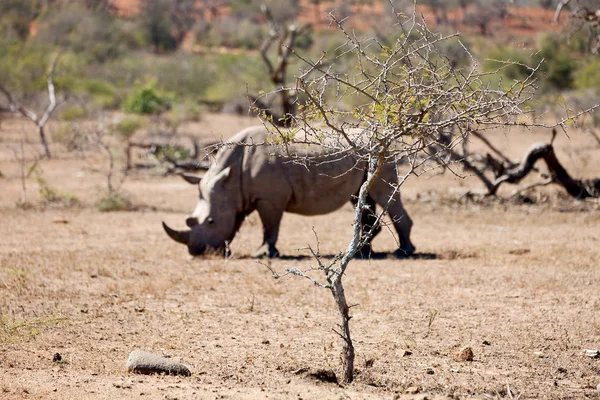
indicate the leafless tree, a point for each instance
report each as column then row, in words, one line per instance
column 283, row 36
column 39, row 121
column 582, row 14
column 96, row 137
column 410, row 105
column 513, row 172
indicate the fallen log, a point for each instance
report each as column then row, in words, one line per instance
column 577, row 188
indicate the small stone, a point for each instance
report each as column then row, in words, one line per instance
column 143, row 362
column 539, row 354
column 413, row 390
column 465, row 354
column 429, row 371
column 486, row 343
column 598, row 388
column 592, row 353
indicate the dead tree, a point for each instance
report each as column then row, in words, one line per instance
column 577, row 188
column 39, row 121
column 505, row 170
column 407, row 97
column 284, row 36
column 583, row 12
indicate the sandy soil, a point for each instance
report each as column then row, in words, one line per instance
column 517, row 283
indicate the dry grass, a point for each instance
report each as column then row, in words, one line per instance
column 516, row 283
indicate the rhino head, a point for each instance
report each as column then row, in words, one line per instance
column 213, row 222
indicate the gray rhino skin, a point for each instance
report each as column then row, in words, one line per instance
column 247, row 176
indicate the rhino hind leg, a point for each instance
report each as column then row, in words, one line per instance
column 270, row 217
column 368, row 224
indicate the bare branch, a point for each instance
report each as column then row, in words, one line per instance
column 559, row 7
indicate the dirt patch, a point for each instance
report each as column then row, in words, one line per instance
column 517, row 284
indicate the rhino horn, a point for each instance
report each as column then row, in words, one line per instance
column 178, row 236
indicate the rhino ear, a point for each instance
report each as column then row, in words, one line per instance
column 221, row 176
column 194, row 180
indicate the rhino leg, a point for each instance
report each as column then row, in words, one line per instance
column 270, row 217
column 380, row 191
column 368, row 223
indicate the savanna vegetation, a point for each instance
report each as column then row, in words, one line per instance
column 190, row 53
column 116, row 88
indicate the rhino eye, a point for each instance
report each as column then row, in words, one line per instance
column 210, row 220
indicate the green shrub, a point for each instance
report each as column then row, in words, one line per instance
column 588, row 77
column 93, row 33
column 73, row 113
column 172, row 153
column 559, row 72
column 51, row 196
column 146, row 101
column 184, row 111
column 23, row 68
column 68, row 136
column 127, row 126
column 558, row 66
column 114, row 202
column 237, row 73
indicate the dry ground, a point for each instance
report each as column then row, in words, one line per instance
column 517, row 283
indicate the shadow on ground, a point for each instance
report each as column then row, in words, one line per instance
column 372, row 256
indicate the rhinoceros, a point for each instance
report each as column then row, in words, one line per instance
column 248, row 175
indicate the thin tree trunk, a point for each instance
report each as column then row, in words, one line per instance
column 337, row 287
column 23, row 183
column 348, row 350
column 44, row 141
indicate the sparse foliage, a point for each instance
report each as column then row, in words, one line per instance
column 414, row 106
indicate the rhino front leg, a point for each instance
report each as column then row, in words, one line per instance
column 270, row 216
column 402, row 222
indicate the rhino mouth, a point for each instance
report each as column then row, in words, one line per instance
column 196, row 250
column 219, row 251
column 184, row 237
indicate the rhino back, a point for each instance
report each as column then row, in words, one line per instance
column 325, row 186
column 303, row 181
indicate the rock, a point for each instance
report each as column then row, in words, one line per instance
column 539, row 354
column 143, row 362
column 598, row 388
column 465, row 354
column 413, row 390
column 592, row 353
